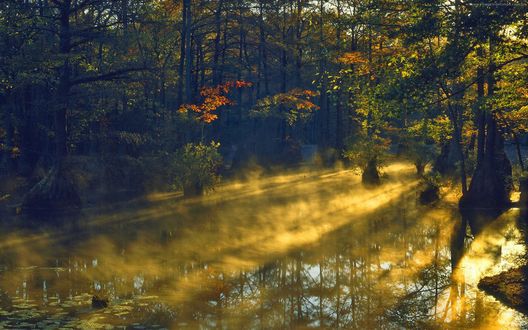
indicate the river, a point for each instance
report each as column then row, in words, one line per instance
column 310, row 248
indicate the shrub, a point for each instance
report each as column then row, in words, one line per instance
column 420, row 153
column 367, row 154
column 431, row 191
column 361, row 150
column 196, row 168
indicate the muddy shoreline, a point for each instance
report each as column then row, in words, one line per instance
column 510, row 288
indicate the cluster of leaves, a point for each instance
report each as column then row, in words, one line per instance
column 515, row 120
column 418, row 150
column 13, row 152
column 213, row 98
column 361, row 149
column 131, row 138
column 437, row 129
column 197, row 165
column 432, row 179
column 511, row 101
column 352, row 58
column 292, row 107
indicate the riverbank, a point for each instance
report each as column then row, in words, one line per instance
column 509, row 287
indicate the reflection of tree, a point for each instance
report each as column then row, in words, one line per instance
column 456, row 302
column 393, row 269
column 465, row 306
column 346, row 284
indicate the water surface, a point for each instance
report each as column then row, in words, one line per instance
column 306, row 249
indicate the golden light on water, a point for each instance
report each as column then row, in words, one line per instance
column 499, row 247
column 308, row 248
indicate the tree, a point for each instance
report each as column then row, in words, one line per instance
column 73, row 25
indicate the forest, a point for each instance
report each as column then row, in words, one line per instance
column 171, row 124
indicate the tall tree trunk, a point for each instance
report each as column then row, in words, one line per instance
column 55, row 192
column 298, row 43
column 218, row 33
column 224, row 51
column 63, row 90
column 6, row 105
column 323, row 117
column 183, row 44
column 188, row 51
column 339, row 110
column 263, row 61
column 491, row 183
column 481, row 114
column 282, row 125
column 518, row 149
column 28, row 138
column 455, row 114
column 240, row 60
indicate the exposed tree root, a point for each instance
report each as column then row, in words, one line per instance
column 54, row 194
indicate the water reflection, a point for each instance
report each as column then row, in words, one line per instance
column 313, row 249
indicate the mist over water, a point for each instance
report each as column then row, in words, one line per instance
column 307, row 249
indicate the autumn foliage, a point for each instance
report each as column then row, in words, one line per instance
column 292, row 106
column 352, row 58
column 213, row 98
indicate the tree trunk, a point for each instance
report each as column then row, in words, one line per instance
column 28, row 137
column 455, row 114
column 518, row 149
column 480, row 115
column 218, row 32
column 263, row 56
column 7, row 110
column 55, row 192
column 188, row 52
column 444, row 163
column 491, row 184
column 339, row 109
column 298, row 43
column 323, row 99
column 523, row 200
column 370, row 176
column 183, row 44
column 240, row 62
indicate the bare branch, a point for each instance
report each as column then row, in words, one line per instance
column 112, row 75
